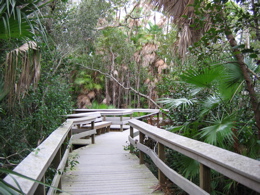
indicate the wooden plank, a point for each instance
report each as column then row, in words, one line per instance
column 80, row 142
column 117, row 127
column 237, row 167
column 106, row 168
column 83, row 114
column 205, row 178
column 84, row 134
column 161, row 155
column 100, row 124
column 56, row 180
column 83, row 120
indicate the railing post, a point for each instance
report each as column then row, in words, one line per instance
column 41, row 188
column 121, row 126
column 56, row 162
column 132, row 136
column 151, row 120
column 141, row 154
column 92, row 124
column 161, row 155
column 205, row 178
column 158, row 119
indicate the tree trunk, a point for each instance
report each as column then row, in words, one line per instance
column 256, row 18
column 127, row 90
column 114, row 94
column 107, row 91
column 138, row 88
column 249, row 82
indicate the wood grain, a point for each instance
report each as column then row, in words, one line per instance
column 106, row 168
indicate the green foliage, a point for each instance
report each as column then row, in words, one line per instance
column 220, row 115
column 96, row 105
column 174, row 103
column 84, row 81
column 33, row 119
column 16, row 20
column 220, row 132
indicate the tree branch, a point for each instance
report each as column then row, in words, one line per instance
column 121, row 85
column 111, row 26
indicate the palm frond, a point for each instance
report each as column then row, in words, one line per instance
column 201, row 78
column 233, row 74
column 174, row 103
column 220, row 133
column 26, row 59
column 210, row 103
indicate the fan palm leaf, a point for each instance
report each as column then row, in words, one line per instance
column 220, row 132
column 202, row 78
column 210, row 103
column 174, row 103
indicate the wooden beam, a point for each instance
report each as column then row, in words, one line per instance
column 161, row 155
column 205, row 178
column 132, row 136
column 141, row 154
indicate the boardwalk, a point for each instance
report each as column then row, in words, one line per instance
column 106, row 168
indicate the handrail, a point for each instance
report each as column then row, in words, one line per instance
column 120, row 113
column 237, row 167
column 54, row 150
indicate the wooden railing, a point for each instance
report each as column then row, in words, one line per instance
column 237, row 167
column 53, row 152
column 122, row 116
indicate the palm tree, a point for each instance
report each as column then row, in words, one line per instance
column 183, row 13
column 16, row 23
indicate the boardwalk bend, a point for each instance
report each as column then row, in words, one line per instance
column 104, row 167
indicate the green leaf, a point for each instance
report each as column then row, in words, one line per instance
column 253, row 55
column 174, row 103
column 202, row 78
column 220, row 132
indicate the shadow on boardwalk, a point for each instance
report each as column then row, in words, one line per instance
column 106, row 168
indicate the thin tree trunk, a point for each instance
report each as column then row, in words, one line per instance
column 249, row 82
column 138, row 88
column 120, row 92
column 256, row 18
column 127, row 90
column 107, row 91
column 114, row 93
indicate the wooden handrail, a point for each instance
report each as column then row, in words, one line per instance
column 237, row 167
column 53, row 151
column 35, row 165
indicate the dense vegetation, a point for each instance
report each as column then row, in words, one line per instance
column 199, row 59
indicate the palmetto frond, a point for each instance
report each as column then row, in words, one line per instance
column 202, row 78
column 14, row 22
column 210, row 103
column 174, row 103
column 220, row 132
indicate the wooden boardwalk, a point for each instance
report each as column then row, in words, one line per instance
column 106, row 168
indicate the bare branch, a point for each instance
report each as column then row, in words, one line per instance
column 121, row 85
column 112, row 26
column 252, row 72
